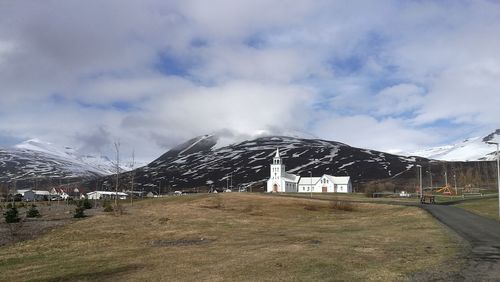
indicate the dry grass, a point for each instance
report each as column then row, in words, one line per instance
column 353, row 197
column 235, row 237
column 485, row 207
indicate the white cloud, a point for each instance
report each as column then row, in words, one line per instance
column 394, row 70
column 399, row 99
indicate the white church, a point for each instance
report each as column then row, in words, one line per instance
column 281, row 181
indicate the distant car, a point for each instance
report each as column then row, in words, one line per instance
column 177, row 192
column 55, row 198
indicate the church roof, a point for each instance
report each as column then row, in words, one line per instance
column 277, row 153
column 291, row 177
column 308, row 180
column 342, row 180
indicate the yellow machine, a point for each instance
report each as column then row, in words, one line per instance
column 446, row 190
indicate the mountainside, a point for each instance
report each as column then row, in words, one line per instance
column 201, row 162
column 471, row 149
column 38, row 159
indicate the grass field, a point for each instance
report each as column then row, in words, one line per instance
column 485, row 207
column 237, row 237
column 355, row 197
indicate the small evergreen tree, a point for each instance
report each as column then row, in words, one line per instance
column 87, row 204
column 33, row 212
column 79, row 212
column 11, row 215
column 107, row 206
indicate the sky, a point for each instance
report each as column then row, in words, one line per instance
column 386, row 75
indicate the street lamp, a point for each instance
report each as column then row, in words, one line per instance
column 420, row 180
column 498, row 175
column 311, row 178
column 430, row 178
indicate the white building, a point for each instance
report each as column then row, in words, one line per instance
column 59, row 192
column 281, row 181
column 97, row 195
column 34, row 195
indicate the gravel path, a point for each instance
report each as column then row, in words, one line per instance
column 483, row 234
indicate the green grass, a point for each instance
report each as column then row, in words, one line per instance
column 237, row 237
column 484, row 207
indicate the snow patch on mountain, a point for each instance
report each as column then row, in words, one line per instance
column 471, row 149
column 92, row 162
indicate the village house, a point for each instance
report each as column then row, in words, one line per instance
column 98, row 195
column 30, row 195
column 281, row 181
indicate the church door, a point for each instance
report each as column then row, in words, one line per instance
column 275, row 188
column 325, row 189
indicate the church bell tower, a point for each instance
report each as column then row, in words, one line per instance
column 277, row 171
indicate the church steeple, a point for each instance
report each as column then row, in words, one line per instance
column 277, row 158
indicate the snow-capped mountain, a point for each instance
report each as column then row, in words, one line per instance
column 202, row 161
column 37, row 159
column 471, row 149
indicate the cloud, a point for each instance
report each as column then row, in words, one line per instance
column 399, row 99
column 154, row 73
column 390, row 135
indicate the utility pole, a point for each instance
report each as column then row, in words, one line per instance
column 420, row 180
column 117, row 148
column 455, row 181
column 311, row 178
column 430, row 178
column 498, row 175
column 231, row 179
column 446, row 178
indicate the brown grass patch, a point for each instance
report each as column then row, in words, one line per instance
column 284, row 243
column 341, row 206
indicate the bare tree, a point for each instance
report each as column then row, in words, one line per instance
column 117, row 148
column 133, row 175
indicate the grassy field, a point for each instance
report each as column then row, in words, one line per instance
column 485, row 207
column 237, row 237
column 356, row 197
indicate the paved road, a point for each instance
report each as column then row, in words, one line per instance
column 482, row 233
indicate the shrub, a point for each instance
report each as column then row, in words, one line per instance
column 341, row 205
column 71, row 201
column 87, row 204
column 107, row 206
column 311, row 207
column 9, row 206
column 11, row 215
column 33, row 212
column 79, row 212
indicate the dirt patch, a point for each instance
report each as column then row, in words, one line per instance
column 53, row 215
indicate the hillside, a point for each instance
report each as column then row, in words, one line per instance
column 471, row 149
column 36, row 159
column 201, row 162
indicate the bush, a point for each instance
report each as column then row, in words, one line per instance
column 33, row 212
column 71, row 201
column 9, row 206
column 341, row 205
column 11, row 215
column 107, row 206
column 79, row 212
column 86, row 204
